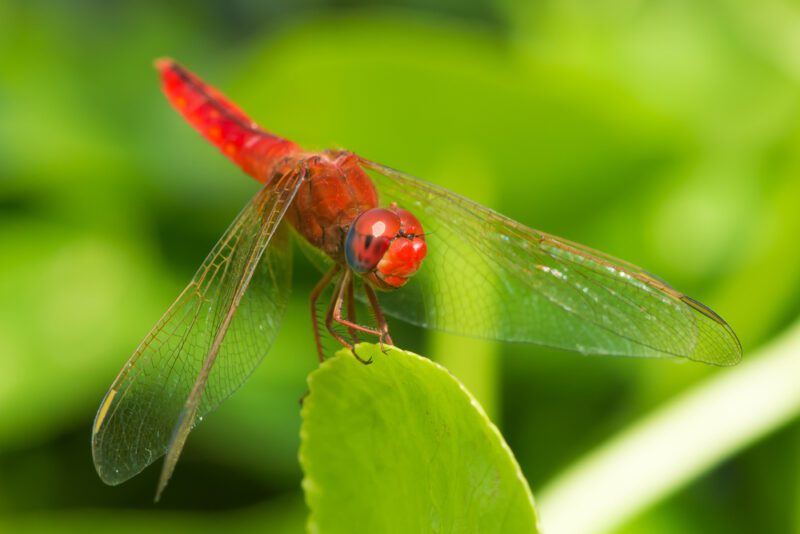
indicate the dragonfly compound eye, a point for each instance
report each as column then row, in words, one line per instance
column 369, row 238
column 404, row 256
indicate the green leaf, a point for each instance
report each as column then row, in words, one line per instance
column 401, row 446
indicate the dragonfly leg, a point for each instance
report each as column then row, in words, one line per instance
column 334, row 309
column 351, row 310
column 376, row 309
column 315, row 293
column 336, row 315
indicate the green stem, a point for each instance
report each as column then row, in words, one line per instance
column 476, row 364
column 678, row 442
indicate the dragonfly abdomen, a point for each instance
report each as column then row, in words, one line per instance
column 222, row 123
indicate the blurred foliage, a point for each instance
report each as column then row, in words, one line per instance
column 665, row 133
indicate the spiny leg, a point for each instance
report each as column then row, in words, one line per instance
column 336, row 315
column 383, row 326
column 351, row 309
column 336, row 302
column 315, row 293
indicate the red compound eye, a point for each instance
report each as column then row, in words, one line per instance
column 409, row 224
column 369, row 237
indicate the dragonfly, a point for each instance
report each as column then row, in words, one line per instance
column 402, row 246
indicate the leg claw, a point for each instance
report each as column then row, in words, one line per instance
column 362, row 360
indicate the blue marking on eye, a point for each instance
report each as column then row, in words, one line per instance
column 359, row 265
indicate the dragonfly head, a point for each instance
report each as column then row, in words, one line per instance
column 386, row 246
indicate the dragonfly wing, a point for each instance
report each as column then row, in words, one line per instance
column 488, row 276
column 205, row 346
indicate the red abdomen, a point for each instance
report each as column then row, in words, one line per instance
column 335, row 188
column 221, row 122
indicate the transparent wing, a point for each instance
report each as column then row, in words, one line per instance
column 213, row 322
column 486, row 275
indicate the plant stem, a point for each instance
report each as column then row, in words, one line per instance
column 677, row 443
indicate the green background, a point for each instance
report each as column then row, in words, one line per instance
column 666, row 133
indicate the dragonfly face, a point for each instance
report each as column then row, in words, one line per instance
column 386, row 246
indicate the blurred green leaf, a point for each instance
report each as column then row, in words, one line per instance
column 282, row 515
column 401, row 446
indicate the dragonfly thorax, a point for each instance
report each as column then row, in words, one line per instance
column 336, row 190
column 336, row 210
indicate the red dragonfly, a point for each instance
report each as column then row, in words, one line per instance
column 485, row 275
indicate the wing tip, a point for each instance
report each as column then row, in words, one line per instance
column 103, row 410
column 734, row 353
column 111, row 478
